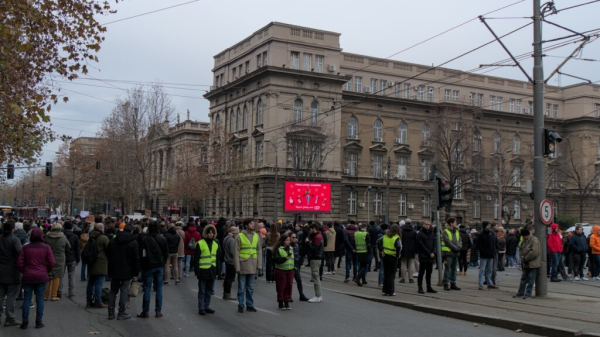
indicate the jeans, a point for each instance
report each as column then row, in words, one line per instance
column 83, row 274
column 554, row 265
column 298, row 279
column 29, row 289
column 381, row 275
column 527, row 281
column 314, row 276
column 11, row 291
column 188, row 259
column 510, row 260
column 500, row 261
column 204, row 293
column 330, row 261
column 117, row 286
column 425, row 269
column 70, row 269
column 246, row 286
column 576, row 263
column 351, row 262
column 406, row 268
column 261, row 272
column 390, row 263
column 153, row 275
column 462, row 261
column 595, row 264
column 486, row 267
column 363, row 268
column 229, row 278
column 94, row 289
column 451, row 263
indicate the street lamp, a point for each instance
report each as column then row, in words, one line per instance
column 276, row 178
column 500, row 164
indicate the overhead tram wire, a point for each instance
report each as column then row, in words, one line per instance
column 151, row 12
column 575, row 6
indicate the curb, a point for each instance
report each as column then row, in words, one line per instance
column 505, row 323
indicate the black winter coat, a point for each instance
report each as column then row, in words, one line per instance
column 73, row 254
column 465, row 238
column 339, row 240
column 578, row 243
column 172, row 240
column 511, row 244
column 427, row 243
column 156, row 249
column 123, row 256
column 409, row 242
column 373, row 236
column 486, row 244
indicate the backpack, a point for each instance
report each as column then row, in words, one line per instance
column 192, row 244
column 90, row 253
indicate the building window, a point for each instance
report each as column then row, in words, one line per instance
column 374, row 85
column 402, row 164
column 234, row 74
column 238, row 119
column 499, row 103
column 554, row 180
column 477, row 142
column 555, row 110
column 517, row 209
column 496, row 208
column 358, row 84
column 516, row 176
column 352, row 164
column 492, row 102
column 247, row 67
column 298, row 110
column 429, row 94
column 477, row 173
column 426, row 205
column 472, row 98
column 259, row 154
column 377, row 198
column 265, row 59
column 480, row 100
column 353, row 128
column 458, row 188
column 476, row 208
column 455, row 95
column 402, row 131
column 378, row 131
column 598, row 142
column 511, row 105
column 377, row 166
column 407, row 92
column 232, row 121
column 319, row 62
column 307, row 64
column 383, row 86
column 458, row 154
column 259, row 112
column 495, row 175
column 295, row 60
column 402, row 204
column 425, row 135
column 314, row 111
column 516, row 145
column 447, row 93
column 420, row 93
column 425, row 165
column 519, row 105
column 245, row 155
column 496, row 143
column 348, row 85
column 548, row 108
column 352, row 203
column 397, row 90
column 555, row 207
column 597, row 110
column 245, row 118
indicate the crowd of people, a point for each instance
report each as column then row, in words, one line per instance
column 38, row 258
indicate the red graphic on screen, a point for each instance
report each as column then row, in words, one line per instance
column 307, row 197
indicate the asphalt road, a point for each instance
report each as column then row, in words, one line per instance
column 337, row 315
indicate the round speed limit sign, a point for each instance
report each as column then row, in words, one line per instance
column 546, row 212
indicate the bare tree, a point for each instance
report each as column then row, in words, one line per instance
column 190, row 184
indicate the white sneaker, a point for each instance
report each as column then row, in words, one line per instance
column 597, row 278
column 576, row 278
column 333, row 272
column 585, row 278
column 316, row 300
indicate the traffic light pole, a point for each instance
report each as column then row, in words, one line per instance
column 541, row 285
column 438, row 234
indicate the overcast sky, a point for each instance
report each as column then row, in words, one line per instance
column 177, row 45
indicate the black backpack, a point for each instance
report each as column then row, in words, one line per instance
column 90, row 253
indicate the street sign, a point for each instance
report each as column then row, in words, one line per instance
column 546, row 212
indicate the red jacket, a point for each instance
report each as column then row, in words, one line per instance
column 555, row 244
column 189, row 234
column 35, row 260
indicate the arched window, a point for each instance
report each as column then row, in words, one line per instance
column 353, row 129
column 297, row 110
column 217, row 121
column 314, row 111
column 378, row 130
column 238, row 119
column 477, row 141
column 516, row 144
column 402, row 131
column 245, row 118
column 259, row 112
column 496, row 143
column 231, row 121
column 425, row 134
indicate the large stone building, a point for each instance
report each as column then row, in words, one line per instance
column 287, row 97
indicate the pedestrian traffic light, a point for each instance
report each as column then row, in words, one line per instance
column 444, row 193
column 48, row 169
column 550, row 139
column 10, row 171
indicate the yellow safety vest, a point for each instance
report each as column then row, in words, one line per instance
column 288, row 264
column 446, row 248
column 389, row 244
column 248, row 249
column 360, row 241
column 208, row 258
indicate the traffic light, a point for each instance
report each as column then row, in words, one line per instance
column 48, row 169
column 550, row 139
column 10, row 171
column 444, row 193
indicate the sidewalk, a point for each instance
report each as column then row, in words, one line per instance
column 570, row 309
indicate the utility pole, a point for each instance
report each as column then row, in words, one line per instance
column 539, row 191
column 387, row 191
column 438, row 229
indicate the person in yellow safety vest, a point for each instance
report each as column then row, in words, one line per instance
column 391, row 246
column 363, row 249
column 284, row 271
column 451, row 245
column 205, row 266
column 247, row 260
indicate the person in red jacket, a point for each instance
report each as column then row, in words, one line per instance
column 555, row 249
column 190, row 233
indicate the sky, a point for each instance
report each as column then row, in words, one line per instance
column 177, row 45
